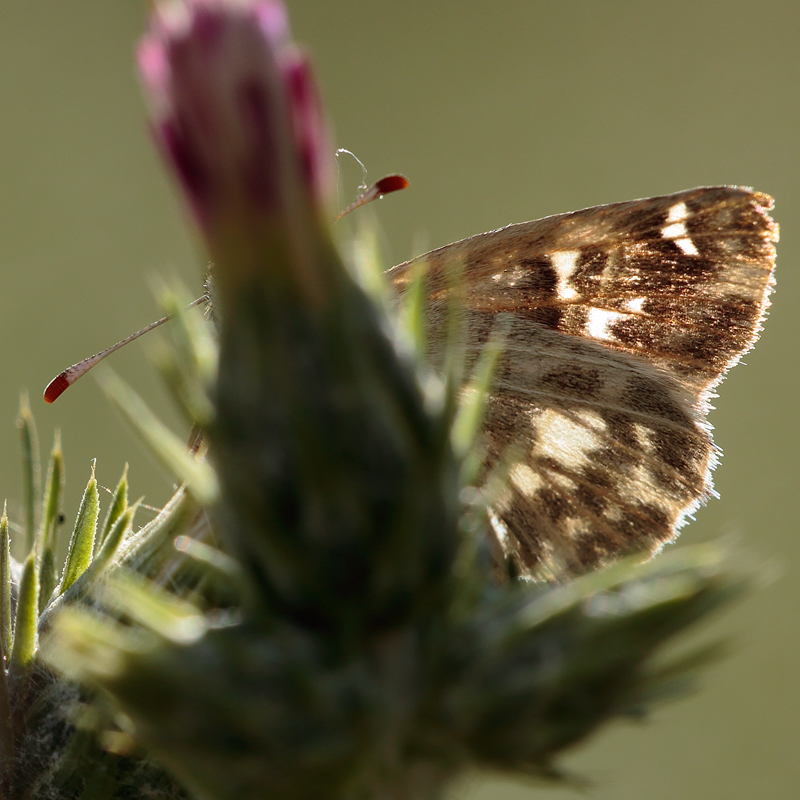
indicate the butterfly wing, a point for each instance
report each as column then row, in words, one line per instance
column 624, row 318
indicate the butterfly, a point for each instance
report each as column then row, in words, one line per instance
column 624, row 318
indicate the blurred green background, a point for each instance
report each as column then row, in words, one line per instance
column 497, row 112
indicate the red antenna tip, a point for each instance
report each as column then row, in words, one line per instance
column 391, row 183
column 55, row 388
column 387, row 184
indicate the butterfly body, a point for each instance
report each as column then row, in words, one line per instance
column 625, row 317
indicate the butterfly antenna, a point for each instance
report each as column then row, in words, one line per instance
column 65, row 379
column 386, row 185
column 363, row 185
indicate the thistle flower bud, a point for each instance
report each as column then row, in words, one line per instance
column 236, row 113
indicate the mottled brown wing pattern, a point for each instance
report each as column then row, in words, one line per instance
column 624, row 319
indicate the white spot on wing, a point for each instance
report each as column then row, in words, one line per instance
column 499, row 527
column 677, row 213
column 565, row 441
column 687, row 245
column 640, row 488
column 575, row 527
column 643, row 437
column 565, row 262
column 599, row 321
column 674, row 231
column 525, row 479
column 635, row 305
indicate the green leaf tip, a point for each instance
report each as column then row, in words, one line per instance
column 5, row 589
column 30, row 467
column 81, row 543
column 54, row 490
column 48, row 525
column 118, row 505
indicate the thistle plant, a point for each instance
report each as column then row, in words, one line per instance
column 320, row 611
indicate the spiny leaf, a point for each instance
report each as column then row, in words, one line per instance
column 118, row 505
column 111, row 543
column 30, row 468
column 51, row 506
column 198, row 476
column 148, row 545
column 152, row 607
column 209, row 556
column 54, row 489
column 27, row 616
column 213, row 577
column 81, row 544
column 5, row 588
column 674, row 578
